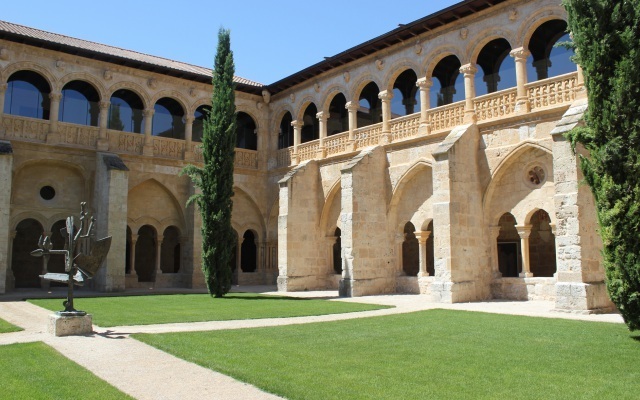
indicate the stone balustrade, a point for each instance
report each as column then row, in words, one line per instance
column 336, row 144
column 308, row 150
column 495, row 105
column 405, row 127
column 446, row 117
column 367, row 136
column 552, row 92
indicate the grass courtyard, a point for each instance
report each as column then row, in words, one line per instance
column 6, row 327
column 163, row 309
column 430, row 354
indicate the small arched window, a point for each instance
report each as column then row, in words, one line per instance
column 27, row 95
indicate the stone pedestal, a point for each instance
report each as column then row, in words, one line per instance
column 69, row 326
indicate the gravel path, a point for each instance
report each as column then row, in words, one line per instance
column 147, row 373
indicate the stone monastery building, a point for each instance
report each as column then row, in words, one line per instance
column 430, row 159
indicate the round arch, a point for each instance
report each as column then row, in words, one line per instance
column 332, row 92
column 89, row 79
column 533, row 21
column 397, row 68
column 33, row 67
column 324, row 223
column 437, row 55
column 483, row 38
column 133, row 87
column 360, row 84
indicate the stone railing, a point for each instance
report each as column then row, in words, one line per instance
column 81, row 135
column 308, row 151
column 246, row 159
column 552, row 92
column 168, row 147
column 284, row 157
column 196, row 150
column 446, row 117
column 495, row 105
column 22, row 128
column 336, row 144
column 125, row 142
column 368, row 136
column 405, row 127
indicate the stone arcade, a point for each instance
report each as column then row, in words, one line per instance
column 429, row 160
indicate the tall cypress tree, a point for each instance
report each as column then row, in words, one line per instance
column 605, row 35
column 215, row 178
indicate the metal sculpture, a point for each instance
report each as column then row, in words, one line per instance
column 78, row 266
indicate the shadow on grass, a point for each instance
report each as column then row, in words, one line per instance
column 258, row 297
column 636, row 338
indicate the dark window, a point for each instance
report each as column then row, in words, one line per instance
column 168, row 119
column 246, row 132
column 448, row 82
column 79, row 104
column 125, row 112
column 285, row 134
column 27, row 95
column 200, row 115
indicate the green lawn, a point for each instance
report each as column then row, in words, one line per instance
column 435, row 354
column 36, row 371
column 6, row 327
column 162, row 309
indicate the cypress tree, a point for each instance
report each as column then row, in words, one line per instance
column 605, row 36
column 215, row 178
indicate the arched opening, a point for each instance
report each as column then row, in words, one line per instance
column 79, row 104
column 27, row 95
column 498, row 73
column 410, row 251
column 430, row 255
column 145, row 262
column 337, row 252
column 127, row 261
column 509, row 261
column 370, row 110
column 26, row 268
column 542, row 245
column 406, row 96
column 246, row 132
column 547, row 59
column 168, row 119
column 338, row 120
column 310, row 129
column 200, row 115
column 448, row 83
column 170, row 252
column 125, row 112
column 285, row 134
column 248, row 253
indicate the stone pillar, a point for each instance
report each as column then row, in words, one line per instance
column 10, row 279
column 522, row 99
column 158, row 256
column 386, row 97
column 352, row 108
column 425, row 104
column 368, row 263
column 110, row 204
column 147, row 149
column 399, row 240
column 3, row 91
column 103, row 119
column 469, row 72
column 524, row 231
column 192, row 267
column 297, row 134
column 54, row 110
column 188, row 136
column 581, row 90
column 132, row 254
column 6, row 241
column 300, row 257
column 422, row 237
column 322, row 121
column 494, row 232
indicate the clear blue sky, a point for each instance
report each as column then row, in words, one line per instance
column 271, row 39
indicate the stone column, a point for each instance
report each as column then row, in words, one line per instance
column 132, row 254
column 188, row 136
column 469, row 71
column 524, row 231
column 399, row 240
column 6, row 237
column 322, row 121
column 386, row 97
column 3, row 91
column 297, row 133
column 352, row 108
column 10, row 278
column 425, row 87
column 158, row 257
column 422, row 237
column 54, row 110
column 522, row 99
column 103, row 119
column 494, row 232
column 147, row 149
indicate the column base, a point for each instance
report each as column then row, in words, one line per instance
column 70, row 326
column 147, row 150
column 53, row 138
column 102, row 144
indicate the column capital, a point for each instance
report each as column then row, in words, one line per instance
column 422, row 236
column 520, row 54
column 468, row 69
column 385, row 95
column 3, row 87
column 424, row 83
column 134, row 238
column 323, row 115
column 297, row 124
column 352, row 105
column 104, row 105
column 524, row 231
column 148, row 112
column 55, row 96
column 189, row 119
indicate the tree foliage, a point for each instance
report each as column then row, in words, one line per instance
column 215, row 178
column 606, row 37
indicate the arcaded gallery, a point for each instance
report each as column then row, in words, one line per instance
column 429, row 160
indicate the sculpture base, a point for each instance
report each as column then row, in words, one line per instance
column 60, row 325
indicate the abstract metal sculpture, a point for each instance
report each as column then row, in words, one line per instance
column 78, row 266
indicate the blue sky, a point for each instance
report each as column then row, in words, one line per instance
column 270, row 39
